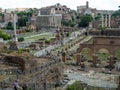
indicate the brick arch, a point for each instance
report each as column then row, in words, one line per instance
column 97, row 48
column 109, row 43
column 103, row 48
column 89, row 51
column 82, row 46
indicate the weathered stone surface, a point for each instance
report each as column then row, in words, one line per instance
column 13, row 46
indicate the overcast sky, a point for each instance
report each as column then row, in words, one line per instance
column 99, row 4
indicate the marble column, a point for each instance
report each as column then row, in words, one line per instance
column 106, row 20
column 109, row 23
column 102, row 20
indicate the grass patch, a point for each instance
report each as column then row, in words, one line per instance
column 80, row 86
column 46, row 36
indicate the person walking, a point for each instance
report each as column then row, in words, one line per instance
column 16, row 86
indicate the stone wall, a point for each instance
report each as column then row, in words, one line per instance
column 48, row 21
column 18, row 61
column 105, row 32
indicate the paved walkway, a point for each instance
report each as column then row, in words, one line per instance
column 80, row 75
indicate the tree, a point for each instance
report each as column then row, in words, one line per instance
column 97, row 17
column 68, row 34
column 9, row 26
column 78, row 17
column 72, row 24
column 73, row 19
column 24, row 16
column 22, row 21
column 26, row 13
column 65, row 22
column 116, row 13
column 85, row 20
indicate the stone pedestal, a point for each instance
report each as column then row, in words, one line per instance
column 13, row 46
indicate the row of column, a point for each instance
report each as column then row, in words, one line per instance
column 106, row 20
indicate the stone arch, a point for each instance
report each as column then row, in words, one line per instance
column 97, row 48
column 103, row 54
column 84, row 46
column 86, row 53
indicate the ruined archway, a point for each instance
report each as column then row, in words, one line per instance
column 109, row 43
column 103, row 54
column 86, row 54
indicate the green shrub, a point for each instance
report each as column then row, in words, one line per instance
column 47, row 41
column 21, row 39
column 4, row 35
column 27, row 30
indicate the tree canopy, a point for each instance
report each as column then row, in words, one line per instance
column 22, row 21
column 26, row 13
column 65, row 22
column 116, row 13
column 4, row 35
column 85, row 20
column 9, row 26
column 24, row 17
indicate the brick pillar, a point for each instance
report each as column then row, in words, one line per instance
column 95, row 59
column 78, row 59
column 111, row 60
column 63, row 57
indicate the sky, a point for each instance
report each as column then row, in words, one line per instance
column 99, row 4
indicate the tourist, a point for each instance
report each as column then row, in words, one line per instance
column 16, row 86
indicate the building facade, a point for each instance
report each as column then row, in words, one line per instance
column 85, row 9
column 48, row 21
